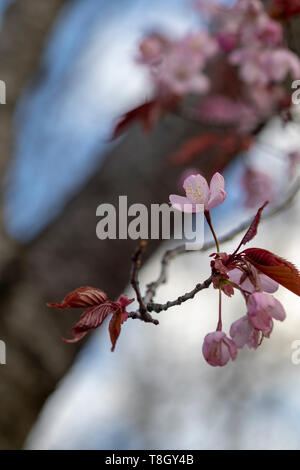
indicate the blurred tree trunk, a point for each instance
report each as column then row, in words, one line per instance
column 67, row 254
column 22, row 36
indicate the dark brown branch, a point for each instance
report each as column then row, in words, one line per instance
column 142, row 313
column 162, row 278
column 180, row 300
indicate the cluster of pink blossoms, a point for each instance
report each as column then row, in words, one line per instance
column 255, row 44
column 261, row 307
column 178, row 67
column 237, row 69
column 243, row 46
column 242, row 271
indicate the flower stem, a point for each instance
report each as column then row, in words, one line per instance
column 219, row 326
column 208, row 218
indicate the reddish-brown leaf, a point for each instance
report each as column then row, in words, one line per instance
column 278, row 269
column 119, row 317
column 284, row 9
column 148, row 113
column 193, row 148
column 198, row 146
column 115, row 328
column 91, row 319
column 100, row 308
column 82, row 297
column 252, row 231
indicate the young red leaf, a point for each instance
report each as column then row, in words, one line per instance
column 252, row 231
column 91, row 319
column 226, row 144
column 192, row 148
column 278, row 269
column 100, row 308
column 119, row 317
column 148, row 113
column 82, row 297
column 115, row 328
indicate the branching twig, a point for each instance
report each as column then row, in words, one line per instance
column 189, row 295
column 162, row 278
column 142, row 313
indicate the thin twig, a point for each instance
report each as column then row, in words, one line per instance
column 142, row 313
column 180, row 300
column 162, row 278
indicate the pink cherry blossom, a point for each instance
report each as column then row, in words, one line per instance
column 218, row 349
column 243, row 333
column 201, row 43
column 227, row 40
column 262, row 66
column 152, row 49
column 181, row 72
column 252, row 65
column 262, row 308
column 210, row 8
column 249, row 8
column 198, row 192
column 268, row 32
column 263, row 31
column 282, row 62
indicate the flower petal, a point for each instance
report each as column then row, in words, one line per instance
column 197, row 190
column 243, row 333
column 231, row 348
column 259, row 310
column 183, row 204
column 278, row 311
column 217, row 191
column 235, row 275
column 267, row 284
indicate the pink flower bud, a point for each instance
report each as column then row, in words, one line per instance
column 218, row 349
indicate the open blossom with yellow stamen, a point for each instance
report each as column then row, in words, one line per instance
column 199, row 193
